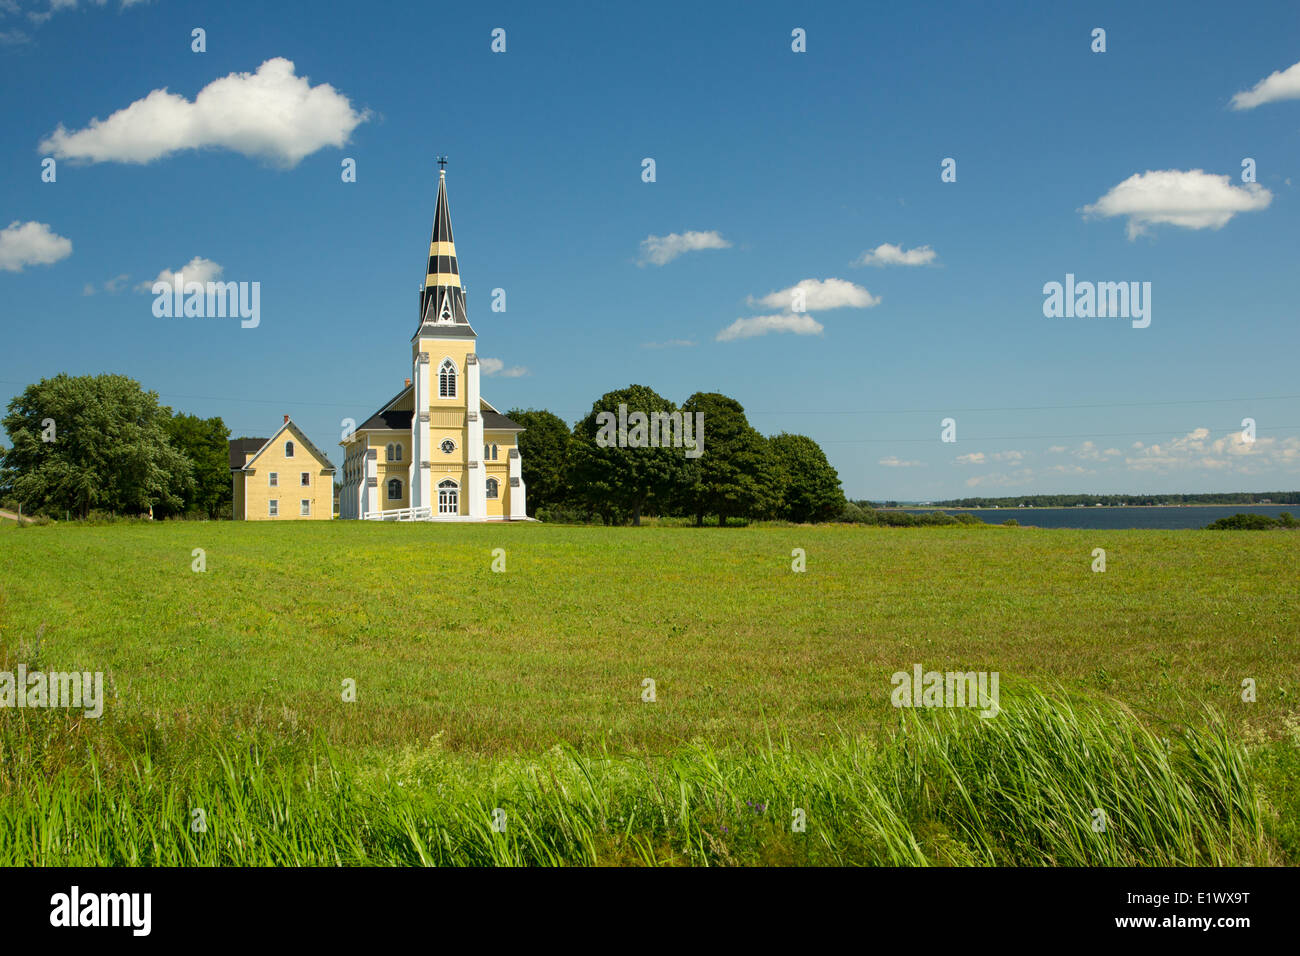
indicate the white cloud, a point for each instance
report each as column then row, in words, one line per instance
column 197, row 269
column 494, row 366
column 1230, row 452
column 1089, row 451
column 31, row 244
column 1193, row 199
column 670, row 344
column 820, row 294
column 888, row 254
column 1022, row 476
column 800, row 323
column 661, row 250
column 1278, row 85
column 113, row 286
column 271, row 114
column 979, row 458
column 895, row 462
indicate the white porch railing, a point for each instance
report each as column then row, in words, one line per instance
column 401, row 514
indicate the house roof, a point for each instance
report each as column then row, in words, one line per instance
column 241, row 448
column 301, row 436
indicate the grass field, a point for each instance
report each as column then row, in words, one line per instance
column 482, row 674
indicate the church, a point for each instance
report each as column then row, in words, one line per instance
column 436, row 451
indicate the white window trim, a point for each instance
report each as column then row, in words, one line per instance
column 304, row 508
column 273, row 479
column 290, row 449
column 273, row 507
column 455, row 377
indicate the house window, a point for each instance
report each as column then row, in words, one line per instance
column 492, row 488
column 395, row 490
column 273, row 508
column 305, row 505
column 288, row 449
column 447, row 380
column 273, row 480
column 448, row 497
column 306, row 479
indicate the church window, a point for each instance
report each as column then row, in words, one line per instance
column 447, row 380
column 395, row 490
column 448, row 446
column 393, row 452
column 494, row 452
column 492, row 487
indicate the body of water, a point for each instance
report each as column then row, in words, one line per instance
column 1193, row 516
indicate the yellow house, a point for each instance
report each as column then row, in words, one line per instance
column 281, row 478
column 437, row 451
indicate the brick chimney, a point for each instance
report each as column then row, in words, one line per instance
column 286, row 419
column 408, row 383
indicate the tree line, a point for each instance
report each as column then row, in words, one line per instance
column 1070, row 501
column 577, row 474
column 88, row 444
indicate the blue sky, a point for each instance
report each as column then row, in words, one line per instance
column 772, row 168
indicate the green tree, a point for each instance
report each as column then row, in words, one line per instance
column 205, row 442
column 91, row 442
column 736, row 474
column 811, row 487
column 612, row 470
column 544, row 449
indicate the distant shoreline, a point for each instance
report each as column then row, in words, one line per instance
column 1206, row 504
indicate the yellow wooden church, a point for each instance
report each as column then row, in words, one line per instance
column 437, row 451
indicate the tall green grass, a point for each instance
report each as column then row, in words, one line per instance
column 940, row 788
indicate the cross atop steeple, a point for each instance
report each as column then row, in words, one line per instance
column 442, row 163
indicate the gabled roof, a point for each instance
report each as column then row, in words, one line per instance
column 388, row 417
column 241, row 448
column 301, row 436
column 498, row 422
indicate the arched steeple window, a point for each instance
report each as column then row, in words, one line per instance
column 447, row 379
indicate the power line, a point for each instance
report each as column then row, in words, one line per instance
column 818, row 411
column 858, row 441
